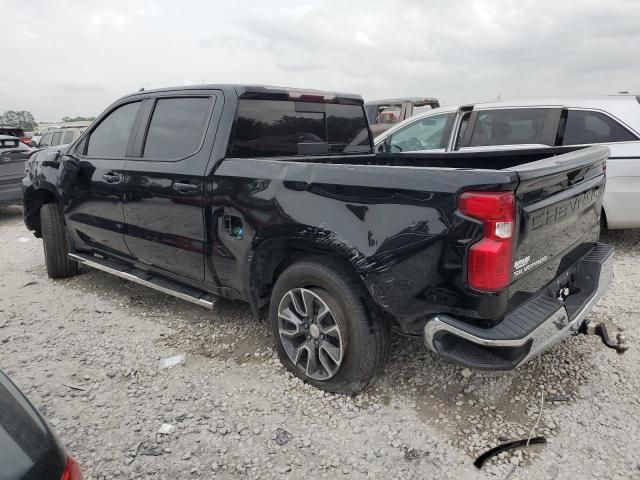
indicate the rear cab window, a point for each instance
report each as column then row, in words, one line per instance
column 270, row 128
column 384, row 113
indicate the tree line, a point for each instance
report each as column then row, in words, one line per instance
column 19, row 119
column 24, row 119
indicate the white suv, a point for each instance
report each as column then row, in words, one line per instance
column 613, row 121
column 60, row 136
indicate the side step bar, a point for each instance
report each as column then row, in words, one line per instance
column 171, row 287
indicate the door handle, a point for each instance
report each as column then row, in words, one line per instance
column 111, row 177
column 575, row 180
column 185, row 187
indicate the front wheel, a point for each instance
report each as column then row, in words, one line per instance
column 323, row 330
column 55, row 244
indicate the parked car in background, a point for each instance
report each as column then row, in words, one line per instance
column 28, row 137
column 13, row 160
column 35, row 140
column 382, row 114
column 29, row 449
column 612, row 120
column 60, row 136
column 16, row 132
column 12, row 131
column 275, row 196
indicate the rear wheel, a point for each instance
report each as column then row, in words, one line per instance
column 323, row 330
column 55, row 244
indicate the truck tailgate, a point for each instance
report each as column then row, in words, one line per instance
column 559, row 200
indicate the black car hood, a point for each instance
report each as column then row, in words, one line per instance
column 29, row 450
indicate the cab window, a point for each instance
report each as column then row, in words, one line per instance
column 509, row 126
column 388, row 113
column 585, row 127
column 45, row 141
column 425, row 134
column 68, row 137
column 464, row 121
column 56, row 139
column 176, row 128
column 110, row 138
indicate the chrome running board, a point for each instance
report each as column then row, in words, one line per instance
column 148, row 279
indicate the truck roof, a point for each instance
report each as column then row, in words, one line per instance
column 403, row 99
column 266, row 90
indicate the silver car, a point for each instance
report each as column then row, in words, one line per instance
column 13, row 159
column 612, row 120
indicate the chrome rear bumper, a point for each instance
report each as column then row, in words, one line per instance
column 531, row 329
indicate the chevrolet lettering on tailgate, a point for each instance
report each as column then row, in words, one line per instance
column 564, row 209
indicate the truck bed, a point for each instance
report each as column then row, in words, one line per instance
column 395, row 216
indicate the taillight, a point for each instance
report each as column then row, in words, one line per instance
column 489, row 260
column 71, row 470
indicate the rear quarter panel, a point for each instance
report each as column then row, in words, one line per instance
column 397, row 226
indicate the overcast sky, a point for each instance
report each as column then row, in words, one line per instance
column 74, row 57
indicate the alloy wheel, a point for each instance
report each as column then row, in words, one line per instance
column 310, row 334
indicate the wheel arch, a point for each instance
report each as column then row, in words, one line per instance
column 33, row 200
column 271, row 257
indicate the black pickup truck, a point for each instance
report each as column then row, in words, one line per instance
column 274, row 196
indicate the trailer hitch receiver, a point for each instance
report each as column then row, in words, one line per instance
column 600, row 329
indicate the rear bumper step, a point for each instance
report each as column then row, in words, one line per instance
column 199, row 297
column 530, row 329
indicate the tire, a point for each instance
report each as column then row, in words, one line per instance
column 55, row 244
column 363, row 339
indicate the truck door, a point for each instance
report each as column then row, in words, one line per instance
column 94, row 212
column 164, row 183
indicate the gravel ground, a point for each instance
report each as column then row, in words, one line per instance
column 87, row 350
